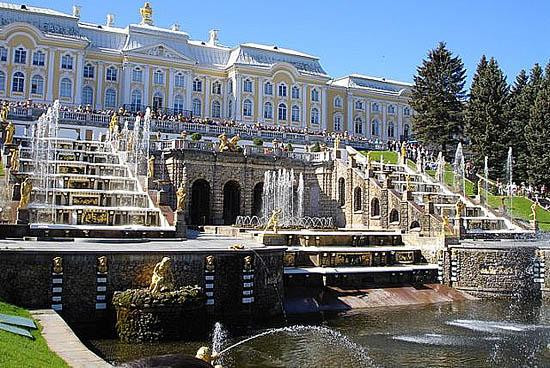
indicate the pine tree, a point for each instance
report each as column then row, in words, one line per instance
column 537, row 131
column 437, row 98
column 519, row 104
column 485, row 117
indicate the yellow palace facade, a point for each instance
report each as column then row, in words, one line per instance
column 47, row 55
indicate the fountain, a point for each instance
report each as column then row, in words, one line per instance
column 440, row 172
column 458, row 170
column 279, row 193
column 486, row 174
column 509, row 162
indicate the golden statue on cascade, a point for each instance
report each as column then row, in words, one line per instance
column 162, row 279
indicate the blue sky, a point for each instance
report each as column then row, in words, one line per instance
column 378, row 38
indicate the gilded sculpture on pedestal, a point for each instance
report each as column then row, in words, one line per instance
column 445, row 227
column 14, row 161
column 209, row 264
column 247, row 263
column 26, row 190
column 181, row 194
column 534, row 211
column 226, row 144
column 233, row 143
column 102, row 264
column 146, row 14
column 162, row 279
column 459, row 208
column 4, row 111
column 403, row 151
column 336, row 143
column 57, row 265
column 113, row 125
column 10, row 132
column 273, row 222
column 151, row 167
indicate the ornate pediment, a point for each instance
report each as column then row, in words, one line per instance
column 162, row 51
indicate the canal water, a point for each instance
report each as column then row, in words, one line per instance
column 462, row 334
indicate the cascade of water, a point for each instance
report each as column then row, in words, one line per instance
column 486, row 174
column 509, row 163
column 219, row 337
column 440, row 167
column 283, row 192
column 458, row 169
column 300, row 211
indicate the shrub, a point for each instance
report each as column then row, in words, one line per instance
column 316, row 147
column 289, row 147
column 196, row 137
column 258, row 142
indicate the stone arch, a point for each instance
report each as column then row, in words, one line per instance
column 375, row 207
column 357, row 199
column 394, row 216
column 231, row 202
column 341, row 191
column 415, row 225
column 200, row 203
column 257, row 200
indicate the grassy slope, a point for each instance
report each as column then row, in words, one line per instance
column 19, row 351
column 390, row 157
column 521, row 209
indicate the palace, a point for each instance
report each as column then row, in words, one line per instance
column 47, row 55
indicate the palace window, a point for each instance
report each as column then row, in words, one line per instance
column 66, row 88
column 247, row 108
column 216, row 109
column 37, row 85
column 358, row 125
column 178, row 104
column 197, row 107
column 38, row 58
column 3, row 54
column 2, row 81
column 357, row 199
column 314, row 95
column 197, row 85
column 20, row 56
column 67, row 62
column 295, row 113
column 391, row 109
column 87, row 95
column 358, row 105
column 315, row 116
column 137, row 75
column 337, row 101
column 282, row 90
column 230, row 109
column 88, row 71
column 111, row 74
column 406, row 131
column 135, row 104
column 375, row 127
column 18, row 82
column 158, row 77
column 268, row 89
column 375, row 107
column 391, row 129
column 247, row 85
column 179, row 80
column 110, row 98
column 295, row 92
column 337, row 123
column 268, row 110
column 341, row 191
column 406, row 111
column 216, row 88
column 158, row 100
column 282, row 111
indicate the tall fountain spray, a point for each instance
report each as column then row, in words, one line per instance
column 440, row 172
column 458, row 169
column 509, row 162
column 486, row 175
column 279, row 193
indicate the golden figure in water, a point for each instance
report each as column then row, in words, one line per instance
column 162, row 279
column 233, row 143
column 223, row 143
column 5, row 110
column 459, row 208
column 206, row 355
column 14, row 161
column 181, row 194
column 445, row 226
column 273, row 221
column 10, row 132
column 26, row 190
column 151, row 167
column 403, row 152
column 113, row 125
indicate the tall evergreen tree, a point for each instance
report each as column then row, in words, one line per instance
column 437, row 98
column 485, row 117
column 537, row 132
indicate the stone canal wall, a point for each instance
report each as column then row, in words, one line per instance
column 81, row 287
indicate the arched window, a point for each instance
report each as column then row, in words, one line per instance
column 88, row 71
column 282, row 90
column 137, row 75
column 337, row 101
column 295, row 92
column 158, row 77
column 197, row 85
column 197, row 107
column 415, row 225
column 158, row 101
column 315, row 116
column 2, row 81
column 179, row 80
column 247, row 85
column 230, row 109
column 110, row 98
column 67, row 62
column 87, row 96
column 315, row 95
column 38, row 58
column 358, row 125
column 357, row 199
column 295, row 113
column 375, row 107
column 337, row 123
column 178, row 104
column 358, row 105
column 66, row 88
column 268, row 89
column 406, row 131
column 111, row 74
column 406, row 111
column 375, row 207
column 375, row 127
column 391, row 129
column 394, row 216
column 135, row 104
column 37, row 85
column 341, row 191
column 216, row 109
column 20, row 56
column 18, row 82
column 282, row 112
column 268, row 110
column 391, row 109
column 247, row 108
column 3, row 54
column 216, row 88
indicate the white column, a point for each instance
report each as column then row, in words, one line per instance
column 367, row 106
column 383, row 135
column 146, row 100
column 171, row 81
column 350, row 128
column 99, row 92
column 324, row 108
column 207, row 87
column 260, row 106
column 125, row 93
column 304, row 105
column 79, row 78
column 237, row 107
column 50, row 82
column 189, row 90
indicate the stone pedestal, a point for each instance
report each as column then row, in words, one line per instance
column 22, row 216
column 181, row 227
column 270, row 238
column 534, row 225
column 459, row 228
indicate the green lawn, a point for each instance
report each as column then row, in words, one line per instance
column 448, row 177
column 521, row 209
column 1, row 169
column 390, row 157
column 19, row 351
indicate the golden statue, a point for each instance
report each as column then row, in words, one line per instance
column 410, row 187
column 57, row 265
column 204, row 354
column 247, row 266
column 180, row 198
column 273, row 221
column 151, row 167
column 146, row 14
column 26, row 190
column 4, row 111
column 236, row 246
column 209, row 263
column 534, row 211
column 10, row 132
column 223, row 143
column 130, row 143
column 162, row 279
column 102, row 264
column 113, row 125
column 233, row 143
column 14, row 161
column 445, row 227
column 336, row 143
column 459, row 208
column 403, row 151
